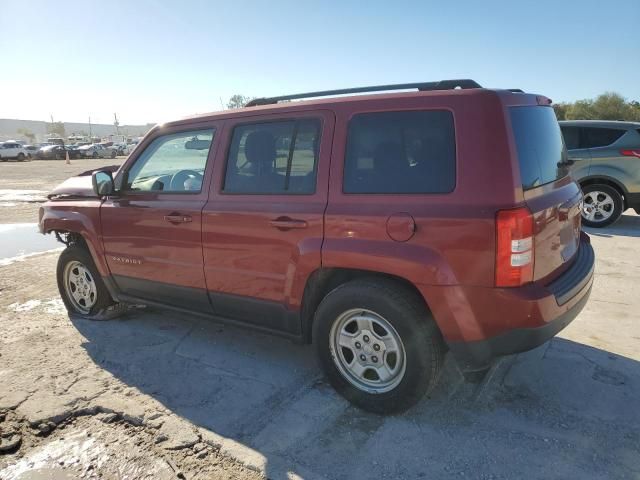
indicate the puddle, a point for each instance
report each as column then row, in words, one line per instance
column 81, row 454
column 12, row 195
column 22, row 240
column 53, row 306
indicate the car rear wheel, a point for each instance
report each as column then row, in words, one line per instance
column 602, row 205
column 378, row 345
column 113, row 154
column 80, row 284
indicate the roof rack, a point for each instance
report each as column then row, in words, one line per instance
column 462, row 83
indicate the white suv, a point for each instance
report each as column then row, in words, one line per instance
column 12, row 149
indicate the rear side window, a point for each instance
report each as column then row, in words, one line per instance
column 273, row 158
column 541, row 152
column 600, row 137
column 400, row 152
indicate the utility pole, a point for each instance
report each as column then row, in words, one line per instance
column 116, row 123
column 90, row 133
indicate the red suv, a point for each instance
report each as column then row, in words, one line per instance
column 384, row 228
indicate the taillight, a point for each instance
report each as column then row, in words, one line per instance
column 631, row 153
column 514, row 252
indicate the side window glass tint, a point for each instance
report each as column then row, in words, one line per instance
column 400, row 152
column 571, row 137
column 273, row 158
column 172, row 163
column 600, row 137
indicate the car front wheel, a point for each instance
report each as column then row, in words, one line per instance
column 80, row 284
column 602, row 205
column 378, row 345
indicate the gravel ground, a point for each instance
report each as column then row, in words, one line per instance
column 159, row 395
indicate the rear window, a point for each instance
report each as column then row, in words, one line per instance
column 400, row 152
column 600, row 137
column 541, row 152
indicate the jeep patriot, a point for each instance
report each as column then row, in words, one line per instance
column 385, row 228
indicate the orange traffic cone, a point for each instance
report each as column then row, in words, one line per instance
column 68, row 162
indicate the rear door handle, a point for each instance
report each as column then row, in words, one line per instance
column 177, row 218
column 286, row 223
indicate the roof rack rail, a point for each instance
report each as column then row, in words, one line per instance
column 462, row 83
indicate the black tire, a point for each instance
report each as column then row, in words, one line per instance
column 618, row 205
column 95, row 155
column 78, row 253
column 20, row 157
column 113, row 154
column 408, row 315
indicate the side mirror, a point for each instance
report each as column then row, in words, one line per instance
column 102, row 183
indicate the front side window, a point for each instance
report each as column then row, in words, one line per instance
column 273, row 158
column 172, row 163
column 401, row 152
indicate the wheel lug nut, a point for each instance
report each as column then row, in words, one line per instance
column 366, row 338
column 376, row 347
column 363, row 358
column 358, row 345
column 374, row 359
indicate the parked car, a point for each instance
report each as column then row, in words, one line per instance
column 31, row 150
column 605, row 162
column 12, row 150
column 392, row 228
column 96, row 151
column 121, row 148
column 57, row 152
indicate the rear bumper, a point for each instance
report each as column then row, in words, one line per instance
column 515, row 320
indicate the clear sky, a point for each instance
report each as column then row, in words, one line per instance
column 154, row 60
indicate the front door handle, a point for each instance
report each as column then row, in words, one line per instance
column 286, row 223
column 178, row 218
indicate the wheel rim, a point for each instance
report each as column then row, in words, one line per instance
column 598, row 206
column 367, row 350
column 80, row 286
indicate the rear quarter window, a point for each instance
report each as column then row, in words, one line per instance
column 542, row 155
column 400, row 153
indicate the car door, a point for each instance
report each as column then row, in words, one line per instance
column 578, row 155
column 263, row 224
column 152, row 228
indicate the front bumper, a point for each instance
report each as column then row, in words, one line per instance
column 537, row 314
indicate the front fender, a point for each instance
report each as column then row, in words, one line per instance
column 81, row 217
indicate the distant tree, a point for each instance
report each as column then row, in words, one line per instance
column 561, row 110
column 238, row 101
column 608, row 106
column 28, row 134
column 635, row 109
column 56, row 128
column 581, row 110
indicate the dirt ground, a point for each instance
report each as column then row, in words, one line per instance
column 160, row 395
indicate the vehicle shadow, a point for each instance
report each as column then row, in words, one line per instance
column 628, row 225
column 564, row 410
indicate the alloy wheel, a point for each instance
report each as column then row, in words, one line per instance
column 597, row 206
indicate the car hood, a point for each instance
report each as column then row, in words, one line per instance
column 78, row 187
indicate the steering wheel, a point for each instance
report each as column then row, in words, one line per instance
column 181, row 176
